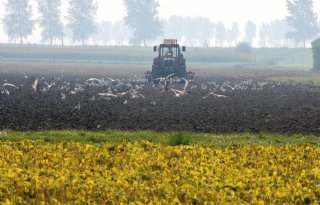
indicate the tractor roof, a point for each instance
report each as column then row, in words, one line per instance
column 170, row 41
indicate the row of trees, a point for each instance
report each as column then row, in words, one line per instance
column 142, row 25
column 81, row 19
column 202, row 32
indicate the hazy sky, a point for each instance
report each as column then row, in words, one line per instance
column 225, row 10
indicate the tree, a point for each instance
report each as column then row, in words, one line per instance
column 220, row 34
column 82, row 14
column 263, row 34
column 197, row 31
column 204, row 30
column 234, row 33
column 277, row 32
column 18, row 19
column 190, row 30
column 174, row 27
column 303, row 21
column 250, row 32
column 104, row 32
column 121, row 32
column 50, row 21
column 316, row 54
column 243, row 47
column 142, row 19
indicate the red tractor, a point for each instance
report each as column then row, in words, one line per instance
column 170, row 61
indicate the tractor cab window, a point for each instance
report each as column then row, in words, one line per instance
column 169, row 52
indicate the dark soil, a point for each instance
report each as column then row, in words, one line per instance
column 276, row 108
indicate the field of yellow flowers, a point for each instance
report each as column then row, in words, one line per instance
column 37, row 172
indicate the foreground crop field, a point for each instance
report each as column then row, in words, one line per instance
column 35, row 171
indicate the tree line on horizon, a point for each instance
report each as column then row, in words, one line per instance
column 142, row 26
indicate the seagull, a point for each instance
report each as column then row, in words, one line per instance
column 94, row 82
column 5, row 91
column 107, row 95
column 166, row 82
column 186, row 84
column 179, row 93
column 262, row 84
column 112, row 80
column 193, row 87
column 36, row 85
column 139, row 79
column 10, row 85
column 24, row 75
column 50, row 85
column 122, row 94
column 135, row 95
column 233, row 88
column 214, row 94
column 203, row 86
column 77, row 107
column 63, row 96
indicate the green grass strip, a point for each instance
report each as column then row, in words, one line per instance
column 165, row 138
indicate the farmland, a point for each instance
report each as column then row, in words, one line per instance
column 100, row 97
column 293, row 57
column 247, row 132
column 34, row 172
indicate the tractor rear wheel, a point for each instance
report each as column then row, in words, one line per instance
column 155, row 74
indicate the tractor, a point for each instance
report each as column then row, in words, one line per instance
column 169, row 62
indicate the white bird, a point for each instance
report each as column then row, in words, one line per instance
column 36, row 85
column 215, row 95
column 262, row 84
column 63, row 96
column 179, row 93
column 129, row 86
column 186, row 85
column 112, row 80
column 122, row 94
column 5, row 91
column 94, row 82
column 213, row 83
column 138, row 87
column 24, row 75
column 193, row 87
column 203, row 86
column 77, row 107
column 136, row 95
column 233, row 88
column 166, row 82
column 50, row 85
column 10, row 85
column 139, row 79
column 107, row 95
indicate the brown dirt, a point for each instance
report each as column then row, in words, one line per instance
column 276, row 108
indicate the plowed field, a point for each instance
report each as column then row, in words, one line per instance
column 97, row 98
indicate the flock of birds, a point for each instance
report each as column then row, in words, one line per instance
column 133, row 88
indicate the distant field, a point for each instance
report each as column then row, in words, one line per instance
column 202, row 57
column 309, row 78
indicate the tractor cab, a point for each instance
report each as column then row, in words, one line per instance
column 169, row 61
